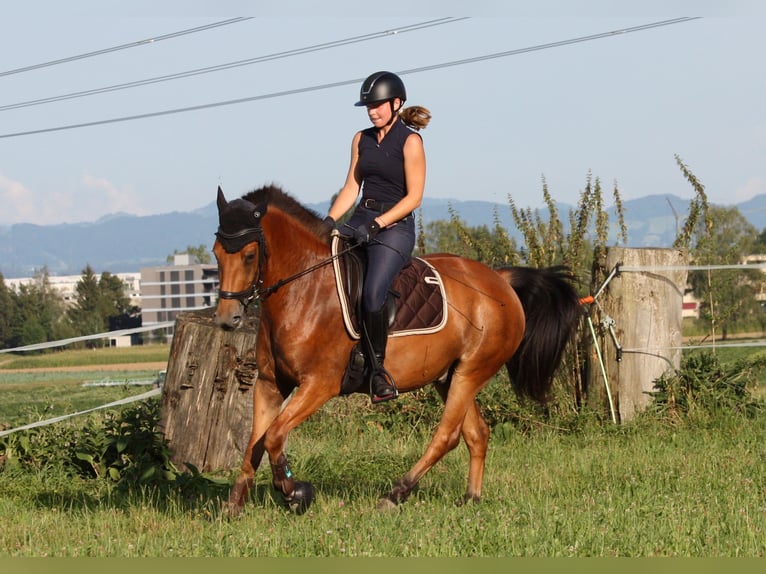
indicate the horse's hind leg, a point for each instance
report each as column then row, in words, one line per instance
column 445, row 438
column 475, row 433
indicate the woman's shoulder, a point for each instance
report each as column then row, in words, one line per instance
column 406, row 132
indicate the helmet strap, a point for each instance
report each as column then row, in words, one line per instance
column 394, row 113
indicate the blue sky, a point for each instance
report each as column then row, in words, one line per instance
column 619, row 107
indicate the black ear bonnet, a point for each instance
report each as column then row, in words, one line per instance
column 239, row 223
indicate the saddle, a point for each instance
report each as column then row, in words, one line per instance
column 417, row 304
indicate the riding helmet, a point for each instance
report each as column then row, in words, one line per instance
column 380, row 87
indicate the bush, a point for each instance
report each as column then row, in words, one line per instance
column 704, row 387
column 124, row 448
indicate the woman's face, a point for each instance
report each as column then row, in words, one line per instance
column 380, row 114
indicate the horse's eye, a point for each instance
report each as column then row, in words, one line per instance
column 249, row 257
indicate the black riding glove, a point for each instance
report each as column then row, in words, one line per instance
column 366, row 232
column 329, row 224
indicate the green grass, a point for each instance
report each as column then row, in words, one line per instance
column 24, row 403
column 40, row 393
column 654, row 487
column 646, row 490
column 84, row 357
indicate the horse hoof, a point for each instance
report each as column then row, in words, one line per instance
column 386, row 505
column 303, row 496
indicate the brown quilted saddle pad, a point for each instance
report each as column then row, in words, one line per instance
column 420, row 304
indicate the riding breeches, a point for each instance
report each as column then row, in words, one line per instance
column 386, row 255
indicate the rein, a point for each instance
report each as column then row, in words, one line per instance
column 257, row 291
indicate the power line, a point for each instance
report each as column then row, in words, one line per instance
column 151, row 40
column 235, row 64
column 549, row 45
column 319, row 87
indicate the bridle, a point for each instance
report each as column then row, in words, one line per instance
column 246, row 296
column 256, row 291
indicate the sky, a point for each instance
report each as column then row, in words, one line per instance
column 517, row 96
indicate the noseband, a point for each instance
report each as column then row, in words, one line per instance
column 245, row 297
column 233, row 243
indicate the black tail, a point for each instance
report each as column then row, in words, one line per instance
column 552, row 309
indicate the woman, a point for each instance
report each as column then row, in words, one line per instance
column 388, row 166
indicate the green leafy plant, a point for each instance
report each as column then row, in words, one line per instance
column 705, row 387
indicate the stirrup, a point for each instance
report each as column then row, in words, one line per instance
column 353, row 377
column 389, row 396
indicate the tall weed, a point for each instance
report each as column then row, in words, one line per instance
column 706, row 389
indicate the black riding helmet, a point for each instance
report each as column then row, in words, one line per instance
column 381, row 87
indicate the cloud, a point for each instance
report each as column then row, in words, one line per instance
column 93, row 197
column 19, row 203
column 753, row 186
column 111, row 198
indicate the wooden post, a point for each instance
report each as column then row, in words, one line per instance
column 640, row 307
column 207, row 398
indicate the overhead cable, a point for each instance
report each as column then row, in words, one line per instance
column 453, row 63
column 151, row 40
column 235, row 64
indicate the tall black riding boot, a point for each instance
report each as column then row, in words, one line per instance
column 382, row 386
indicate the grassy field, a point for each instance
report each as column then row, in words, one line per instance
column 656, row 487
column 86, row 357
column 37, row 387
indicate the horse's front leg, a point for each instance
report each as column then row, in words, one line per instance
column 309, row 397
column 267, row 400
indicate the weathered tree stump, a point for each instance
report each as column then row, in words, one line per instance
column 207, row 398
column 643, row 306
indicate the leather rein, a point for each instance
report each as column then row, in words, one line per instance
column 257, row 291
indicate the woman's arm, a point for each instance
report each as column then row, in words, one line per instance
column 350, row 190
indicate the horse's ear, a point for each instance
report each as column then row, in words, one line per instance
column 222, row 203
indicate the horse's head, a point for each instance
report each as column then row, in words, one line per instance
column 239, row 249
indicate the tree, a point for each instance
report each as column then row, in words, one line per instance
column 101, row 304
column 199, row 254
column 727, row 295
column 86, row 312
column 114, row 304
column 7, row 315
column 40, row 313
column 759, row 245
column 493, row 247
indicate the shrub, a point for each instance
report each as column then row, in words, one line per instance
column 124, row 448
column 704, row 387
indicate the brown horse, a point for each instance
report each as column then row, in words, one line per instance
column 272, row 248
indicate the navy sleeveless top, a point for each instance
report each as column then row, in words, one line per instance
column 381, row 166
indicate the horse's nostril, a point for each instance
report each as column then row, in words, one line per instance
column 230, row 323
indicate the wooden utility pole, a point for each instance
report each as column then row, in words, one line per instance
column 207, row 398
column 639, row 320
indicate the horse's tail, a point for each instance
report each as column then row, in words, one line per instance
column 552, row 309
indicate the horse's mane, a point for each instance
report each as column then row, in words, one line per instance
column 273, row 195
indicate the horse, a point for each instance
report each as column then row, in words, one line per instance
column 271, row 248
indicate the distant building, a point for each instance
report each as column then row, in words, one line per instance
column 66, row 285
column 690, row 307
column 758, row 259
column 160, row 292
column 169, row 290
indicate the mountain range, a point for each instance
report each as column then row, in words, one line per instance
column 123, row 243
